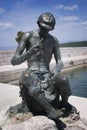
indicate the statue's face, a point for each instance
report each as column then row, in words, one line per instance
column 43, row 31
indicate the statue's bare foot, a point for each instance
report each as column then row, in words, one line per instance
column 19, row 108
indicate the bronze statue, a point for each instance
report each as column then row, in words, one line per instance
column 39, row 87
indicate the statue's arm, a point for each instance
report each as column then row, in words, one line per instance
column 57, row 56
column 19, row 56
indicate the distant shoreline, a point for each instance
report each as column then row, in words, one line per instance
column 13, row 49
column 7, row 48
column 66, row 44
column 74, row 44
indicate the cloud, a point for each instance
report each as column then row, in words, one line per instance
column 24, row 17
column 84, row 22
column 70, row 8
column 2, row 10
column 14, row 21
column 70, row 28
column 5, row 25
column 68, row 19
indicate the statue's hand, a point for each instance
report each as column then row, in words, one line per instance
column 34, row 49
column 59, row 66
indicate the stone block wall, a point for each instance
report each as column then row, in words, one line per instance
column 73, row 51
column 71, row 57
column 5, row 57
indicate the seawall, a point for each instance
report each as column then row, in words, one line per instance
column 72, row 57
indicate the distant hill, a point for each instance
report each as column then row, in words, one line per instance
column 74, row 44
column 69, row 44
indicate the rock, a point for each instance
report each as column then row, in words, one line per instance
column 26, row 121
column 80, row 124
column 34, row 123
column 74, row 128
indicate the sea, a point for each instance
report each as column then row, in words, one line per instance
column 78, row 81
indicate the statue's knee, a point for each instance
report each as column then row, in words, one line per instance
column 65, row 80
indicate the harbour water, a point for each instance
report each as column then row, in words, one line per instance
column 78, row 81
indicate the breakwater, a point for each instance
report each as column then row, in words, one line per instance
column 71, row 56
column 66, row 53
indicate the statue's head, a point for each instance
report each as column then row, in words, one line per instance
column 47, row 21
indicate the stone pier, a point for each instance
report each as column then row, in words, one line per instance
column 72, row 57
column 9, row 94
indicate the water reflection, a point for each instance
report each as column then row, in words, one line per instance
column 78, row 81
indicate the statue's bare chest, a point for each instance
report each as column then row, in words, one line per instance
column 46, row 44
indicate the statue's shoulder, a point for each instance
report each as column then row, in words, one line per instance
column 56, row 41
column 26, row 36
column 30, row 34
column 55, row 38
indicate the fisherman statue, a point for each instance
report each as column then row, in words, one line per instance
column 43, row 91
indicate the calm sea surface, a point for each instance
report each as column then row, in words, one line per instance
column 78, row 82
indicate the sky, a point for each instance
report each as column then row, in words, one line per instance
column 22, row 15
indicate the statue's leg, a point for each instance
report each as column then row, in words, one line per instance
column 35, row 91
column 65, row 90
column 62, row 88
column 24, row 106
column 43, row 102
column 21, row 107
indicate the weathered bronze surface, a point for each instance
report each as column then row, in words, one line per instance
column 40, row 88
